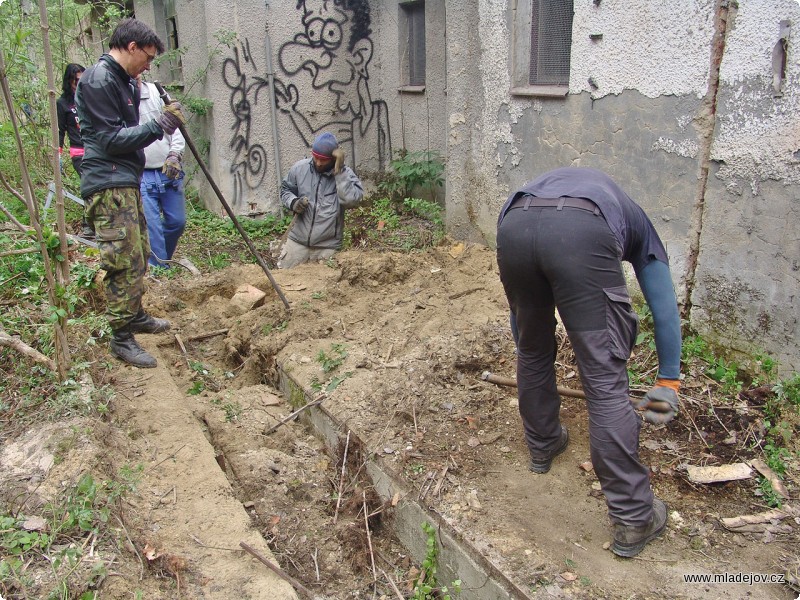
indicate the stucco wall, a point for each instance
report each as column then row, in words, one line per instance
column 748, row 273
column 641, row 106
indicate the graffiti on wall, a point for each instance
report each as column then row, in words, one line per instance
column 328, row 58
column 249, row 159
column 333, row 51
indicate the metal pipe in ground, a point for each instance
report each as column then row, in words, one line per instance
column 509, row 382
column 165, row 97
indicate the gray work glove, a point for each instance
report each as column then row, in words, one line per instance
column 339, row 156
column 172, row 165
column 660, row 404
column 299, row 205
column 171, row 118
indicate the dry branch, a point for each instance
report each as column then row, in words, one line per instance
column 17, row 344
column 277, row 570
column 294, row 414
column 18, row 252
column 341, row 479
column 203, row 336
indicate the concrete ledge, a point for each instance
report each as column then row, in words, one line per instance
column 480, row 578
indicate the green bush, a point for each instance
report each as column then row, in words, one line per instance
column 412, row 170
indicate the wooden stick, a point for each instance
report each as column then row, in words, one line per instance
column 509, row 382
column 464, row 293
column 17, row 344
column 278, row 571
column 438, row 487
column 294, row 414
column 341, row 478
column 203, row 336
column 183, row 349
column 19, row 251
column 393, row 584
column 369, row 537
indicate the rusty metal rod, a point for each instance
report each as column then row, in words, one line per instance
column 184, row 130
column 509, row 382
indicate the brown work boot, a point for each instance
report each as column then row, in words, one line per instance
column 144, row 323
column 125, row 347
column 542, row 464
column 630, row 540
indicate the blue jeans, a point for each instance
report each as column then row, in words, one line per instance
column 165, row 211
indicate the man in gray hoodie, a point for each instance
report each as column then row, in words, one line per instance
column 318, row 190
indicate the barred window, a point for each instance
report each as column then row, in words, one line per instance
column 171, row 23
column 551, row 41
column 412, row 45
column 541, row 46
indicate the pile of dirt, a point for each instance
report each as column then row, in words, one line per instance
column 393, row 345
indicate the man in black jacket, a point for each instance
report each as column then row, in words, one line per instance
column 107, row 100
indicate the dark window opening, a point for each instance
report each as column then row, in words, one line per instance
column 414, row 51
column 551, row 42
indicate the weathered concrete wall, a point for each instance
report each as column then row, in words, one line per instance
column 747, row 291
column 642, row 137
column 417, row 117
column 641, row 106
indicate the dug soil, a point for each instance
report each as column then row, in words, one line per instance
column 392, row 348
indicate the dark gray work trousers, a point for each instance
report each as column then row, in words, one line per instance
column 568, row 258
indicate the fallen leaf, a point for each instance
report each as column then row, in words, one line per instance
column 491, row 438
column 34, row 524
column 567, row 576
column 150, row 553
column 472, row 422
column 777, row 485
column 473, row 442
column 587, row 466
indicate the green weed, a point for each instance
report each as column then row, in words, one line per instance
column 83, row 511
column 333, row 359
column 412, row 170
column 233, row 410
column 426, row 587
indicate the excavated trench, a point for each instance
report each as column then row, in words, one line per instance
column 396, row 517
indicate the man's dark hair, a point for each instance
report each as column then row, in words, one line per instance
column 70, row 72
column 133, row 30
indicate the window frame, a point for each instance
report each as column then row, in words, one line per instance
column 413, row 46
column 521, row 17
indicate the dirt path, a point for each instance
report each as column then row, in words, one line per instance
column 186, row 506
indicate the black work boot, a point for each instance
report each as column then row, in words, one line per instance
column 144, row 323
column 125, row 347
column 630, row 540
column 542, row 464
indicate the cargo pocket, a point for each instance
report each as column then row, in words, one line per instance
column 622, row 322
column 112, row 244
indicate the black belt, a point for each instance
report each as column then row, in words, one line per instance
column 526, row 201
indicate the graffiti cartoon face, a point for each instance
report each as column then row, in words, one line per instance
column 334, row 47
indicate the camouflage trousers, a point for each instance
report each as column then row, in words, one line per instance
column 121, row 230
